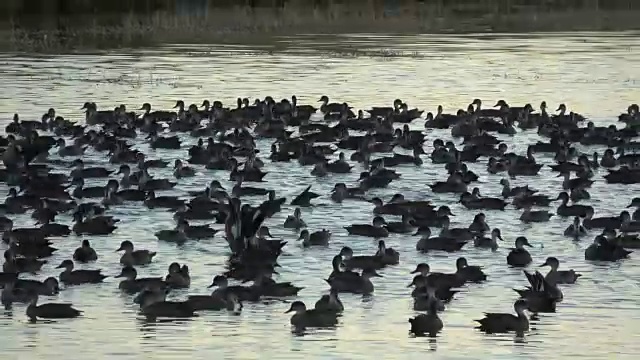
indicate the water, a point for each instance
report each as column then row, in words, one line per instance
column 596, row 74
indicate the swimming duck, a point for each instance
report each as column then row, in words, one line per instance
column 429, row 323
column 133, row 257
column 488, row 242
column 168, row 309
column 177, row 235
column 304, row 198
column 479, row 224
column 99, row 225
column 426, row 292
column 91, row 192
column 519, row 256
column 494, row 323
column 568, row 183
column 360, row 285
column 361, row 261
column 611, row 222
column 71, row 150
column 605, row 250
column 320, row 238
column 627, row 225
column 542, row 295
column 537, row 216
column 50, row 310
column 460, row 234
column 469, row 273
column 330, row 303
column 77, row 277
column 573, row 210
column 375, row 230
column 85, row 253
column 178, row 277
column 231, row 302
column 315, row 318
column 555, row 276
column 402, row 227
column 264, row 285
column 244, row 293
column 181, row 171
column 440, row 280
column 13, row 264
column 428, row 243
column 575, row 230
column 132, row 285
column 294, row 221
column 508, row 191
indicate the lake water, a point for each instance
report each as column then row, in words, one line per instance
column 595, row 74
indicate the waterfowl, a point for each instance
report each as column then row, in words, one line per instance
column 85, row 253
column 244, row 293
column 493, row 323
column 575, row 230
column 360, row 285
column 488, row 242
column 304, row 198
column 168, row 309
column 479, row 224
column 99, row 225
column 171, row 202
column 13, row 264
column 571, row 210
column 627, row 225
column 469, row 273
column 181, row 171
column 508, row 191
column 635, row 202
column 71, row 150
column 443, row 243
column 519, row 256
column 555, row 276
column 605, row 250
column 133, row 257
column 80, row 172
column 330, row 303
column 315, row 318
column 427, row 291
column 215, row 303
column 294, row 221
column 460, row 234
column 529, row 216
column 428, row 323
column 320, row 238
column 178, row 277
column 542, row 295
column 91, row 192
column 177, row 235
column 376, row 230
column 132, row 285
column 50, row 310
column 438, row 279
column 77, row 277
column 610, row 222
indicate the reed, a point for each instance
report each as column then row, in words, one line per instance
column 84, row 25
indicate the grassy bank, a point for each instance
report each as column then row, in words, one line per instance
column 246, row 24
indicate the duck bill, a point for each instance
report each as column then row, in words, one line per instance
column 119, row 249
column 415, row 271
column 500, row 238
column 543, row 265
column 288, row 311
column 119, row 275
column 210, row 286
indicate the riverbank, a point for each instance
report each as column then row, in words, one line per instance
column 245, row 25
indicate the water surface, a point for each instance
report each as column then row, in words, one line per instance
column 596, row 74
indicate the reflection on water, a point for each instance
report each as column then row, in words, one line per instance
column 596, row 74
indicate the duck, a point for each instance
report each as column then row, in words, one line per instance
column 177, row 235
column 100, row 225
column 519, row 256
column 13, row 264
column 171, row 202
column 460, row 234
column 81, row 192
column 488, row 242
column 361, row 285
column 330, row 303
column 133, row 257
column 295, row 221
column 627, row 225
column 542, row 296
column 146, row 183
column 479, row 224
column 610, row 222
column 50, row 310
column 443, row 243
column 314, row 318
column 376, row 230
column 427, row 291
column 244, row 293
column 575, row 230
column 571, row 210
column 605, row 250
column 429, row 323
column 178, row 277
column 168, row 309
column 305, row 197
column 494, row 323
column 182, row 171
column 317, row 238
column 555, row 276
column 469, row 273
column 346, row 275
column 264, row 285
column 132, row 284
column 85, row 253
column 77, row 277
column 230, row 302
column 635, row 202
column 529, row 216
column 440, row 280
column 508, row 191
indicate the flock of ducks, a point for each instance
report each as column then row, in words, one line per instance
column 33, row 153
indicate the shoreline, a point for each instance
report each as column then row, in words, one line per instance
column 247, row 27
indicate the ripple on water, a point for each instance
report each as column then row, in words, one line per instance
column 594, row 73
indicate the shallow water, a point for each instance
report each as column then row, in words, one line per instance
column 596, row 74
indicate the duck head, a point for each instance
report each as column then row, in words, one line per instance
column 521, row 242
column 297, row 307
column 346, row 252
column 635, row 202
column 496, row 234
column 418, row 281
column 424, row 231
column 126, row 245
column 422, row 268
column 128, row 272
column 304, row 235
column 520, row 306
column 220, row 281
column 552, row 262
column 378, row 221
column 66, row 264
